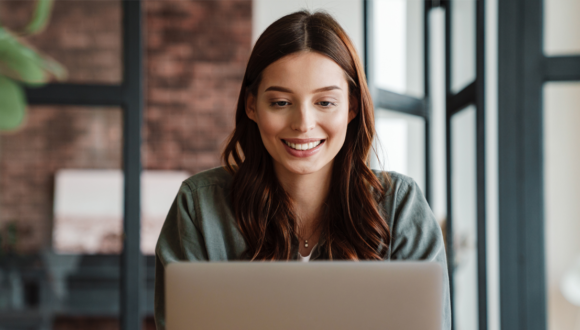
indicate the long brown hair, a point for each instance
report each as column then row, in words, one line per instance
column 353, row 222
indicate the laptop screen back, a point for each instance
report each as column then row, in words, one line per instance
column 292, row 295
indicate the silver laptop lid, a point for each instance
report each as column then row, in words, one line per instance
column 292, row 295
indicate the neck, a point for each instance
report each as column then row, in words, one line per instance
column 308, row 191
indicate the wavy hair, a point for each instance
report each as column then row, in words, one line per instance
column 353, row 223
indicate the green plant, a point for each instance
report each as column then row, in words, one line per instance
column 21, row 64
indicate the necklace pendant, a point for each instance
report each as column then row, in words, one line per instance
column 306, row 243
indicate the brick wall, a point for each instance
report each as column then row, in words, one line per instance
column 196, row 56
column 85, row 36
column 196, row 53
column 53, row 138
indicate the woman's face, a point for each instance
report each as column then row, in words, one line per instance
column 302, row 111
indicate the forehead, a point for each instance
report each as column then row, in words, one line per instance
column 304, row 72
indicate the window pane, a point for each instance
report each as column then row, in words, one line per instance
column 399, row 46
column 438, row 200
column 562, row 193
column 84, row 36
column 401, row 144
column 561, row 27
column 57, row 229
column 464, row 219
column 462, row 44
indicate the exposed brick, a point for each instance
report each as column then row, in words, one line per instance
column 196, row 52
column 85, row 36
column 52, row 138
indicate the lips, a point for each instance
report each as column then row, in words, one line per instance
column 302, row 147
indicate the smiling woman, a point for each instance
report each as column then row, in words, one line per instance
column 304, row 127
column 296, row 184
column 304, row 83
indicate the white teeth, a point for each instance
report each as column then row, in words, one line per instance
column 305, row 146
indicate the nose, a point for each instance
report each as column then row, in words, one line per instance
column 303, row 119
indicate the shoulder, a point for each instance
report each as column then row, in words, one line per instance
column 414, row 229
column 404, row 202
column 395, row 184
column 217, row 176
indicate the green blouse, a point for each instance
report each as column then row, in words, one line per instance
column 200, row 226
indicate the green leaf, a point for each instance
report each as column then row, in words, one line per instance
column 40, row 17
column 20, row 62
column 12, row 104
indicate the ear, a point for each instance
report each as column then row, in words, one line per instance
column 353, row 107
column 251, row 106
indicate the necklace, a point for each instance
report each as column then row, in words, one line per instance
column 313, row 232
column 306, row 240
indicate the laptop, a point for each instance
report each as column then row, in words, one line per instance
column 325, row 295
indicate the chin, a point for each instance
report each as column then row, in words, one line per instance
column 302, row 169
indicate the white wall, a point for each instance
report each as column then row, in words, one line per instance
column 562, row 197
column 561, row 163
column 438, row 148
column 464, row 217
column 561, row 32
column 348, row 13
column 491, row 154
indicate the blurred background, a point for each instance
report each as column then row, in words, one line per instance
column 81, row 81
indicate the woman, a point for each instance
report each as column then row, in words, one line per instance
column 296, row 184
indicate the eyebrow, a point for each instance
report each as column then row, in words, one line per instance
column 286, row 90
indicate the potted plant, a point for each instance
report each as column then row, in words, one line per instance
column 22, row 65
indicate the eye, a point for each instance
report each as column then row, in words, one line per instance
column 279, row 104
column 326, row 104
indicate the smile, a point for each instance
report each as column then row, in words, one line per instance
column 303, row 146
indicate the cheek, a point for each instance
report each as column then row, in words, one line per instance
column 270, row 125
column 336, row 126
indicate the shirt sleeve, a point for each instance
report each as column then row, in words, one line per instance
column 417, row 236
column 179, row 240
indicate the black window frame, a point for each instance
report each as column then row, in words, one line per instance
column 523, row 69
column 472, row 94
column 129, row 96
